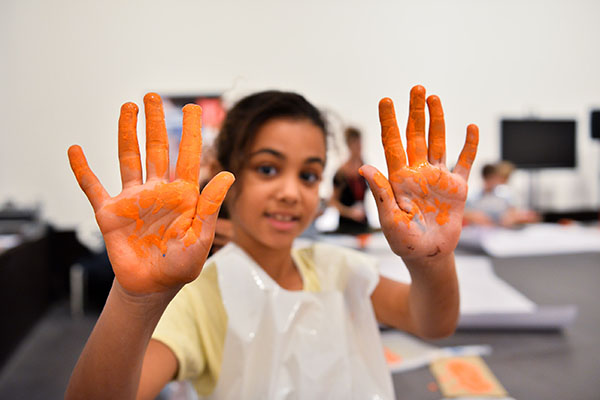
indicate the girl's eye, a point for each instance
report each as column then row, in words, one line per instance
column 309, row 177
column 267, row 170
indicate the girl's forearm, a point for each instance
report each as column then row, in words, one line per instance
column 110, row 365
column 433, row 301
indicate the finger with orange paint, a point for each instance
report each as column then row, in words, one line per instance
column 467, row 155
column 390, row 135
column 157, row 144
column 209, row 204
column 190, row 147
column 437, row 132
column 129, row 150
column 416, row 147
column 391, row 211
column 88, row 182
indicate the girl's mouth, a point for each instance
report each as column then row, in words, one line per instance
column 282, row 221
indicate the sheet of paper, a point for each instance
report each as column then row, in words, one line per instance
column 535, row 239
column 466, row 376
column 405, row 352
column 481, row 290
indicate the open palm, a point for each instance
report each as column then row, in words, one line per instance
column 421, row 202
column 157, row 233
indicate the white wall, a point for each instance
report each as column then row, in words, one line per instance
column 68, row 65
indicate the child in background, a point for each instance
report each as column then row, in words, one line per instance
column 264, row 320
column 495, row 205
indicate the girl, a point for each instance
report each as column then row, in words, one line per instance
column 263, row 320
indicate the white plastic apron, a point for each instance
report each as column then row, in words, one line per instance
column 284, row 344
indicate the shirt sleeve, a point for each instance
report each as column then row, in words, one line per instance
column 193, row 327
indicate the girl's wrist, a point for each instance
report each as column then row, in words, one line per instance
column 145, row 306
column 426, row 266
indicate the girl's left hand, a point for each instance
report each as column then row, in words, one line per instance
column 421, row 204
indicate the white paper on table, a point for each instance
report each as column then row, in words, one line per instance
column 481, row 290
column 535, row 239
column 413, row 353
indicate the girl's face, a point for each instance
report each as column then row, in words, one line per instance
column 278, row 193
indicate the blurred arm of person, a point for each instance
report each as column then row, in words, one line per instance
column 356, row 213
column 476, row 217
column 516, row 216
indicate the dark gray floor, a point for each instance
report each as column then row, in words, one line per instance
column 40, row 367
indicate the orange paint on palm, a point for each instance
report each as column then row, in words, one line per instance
column 468, row 377
column 444, row 212
column 164, row 196
column 443, row 182
column 424, row 206
column 402, row 217
column 133, row 241
column 192, row 236
column 422, row 184
column 127, row 208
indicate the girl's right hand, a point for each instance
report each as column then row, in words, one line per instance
column 157, row 233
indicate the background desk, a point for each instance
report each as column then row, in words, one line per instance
column 537, row 365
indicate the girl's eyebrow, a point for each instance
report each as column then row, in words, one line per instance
column 268, row 151
column 281, row 156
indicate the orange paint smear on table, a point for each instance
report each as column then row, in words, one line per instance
column 468, row 377
column 391, row 357
column 443, row 215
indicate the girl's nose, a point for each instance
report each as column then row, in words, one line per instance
column 289, row 189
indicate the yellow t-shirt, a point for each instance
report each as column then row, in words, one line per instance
column 195, row 322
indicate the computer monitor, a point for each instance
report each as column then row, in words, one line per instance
column 536, row 144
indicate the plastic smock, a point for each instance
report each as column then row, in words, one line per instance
column 284, row 344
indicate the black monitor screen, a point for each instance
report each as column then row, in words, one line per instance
column 533, row 144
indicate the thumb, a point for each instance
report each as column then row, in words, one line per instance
column 382, row 192
column 387, row 206
column 209, row 203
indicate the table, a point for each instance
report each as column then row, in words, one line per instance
column 542, row 364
